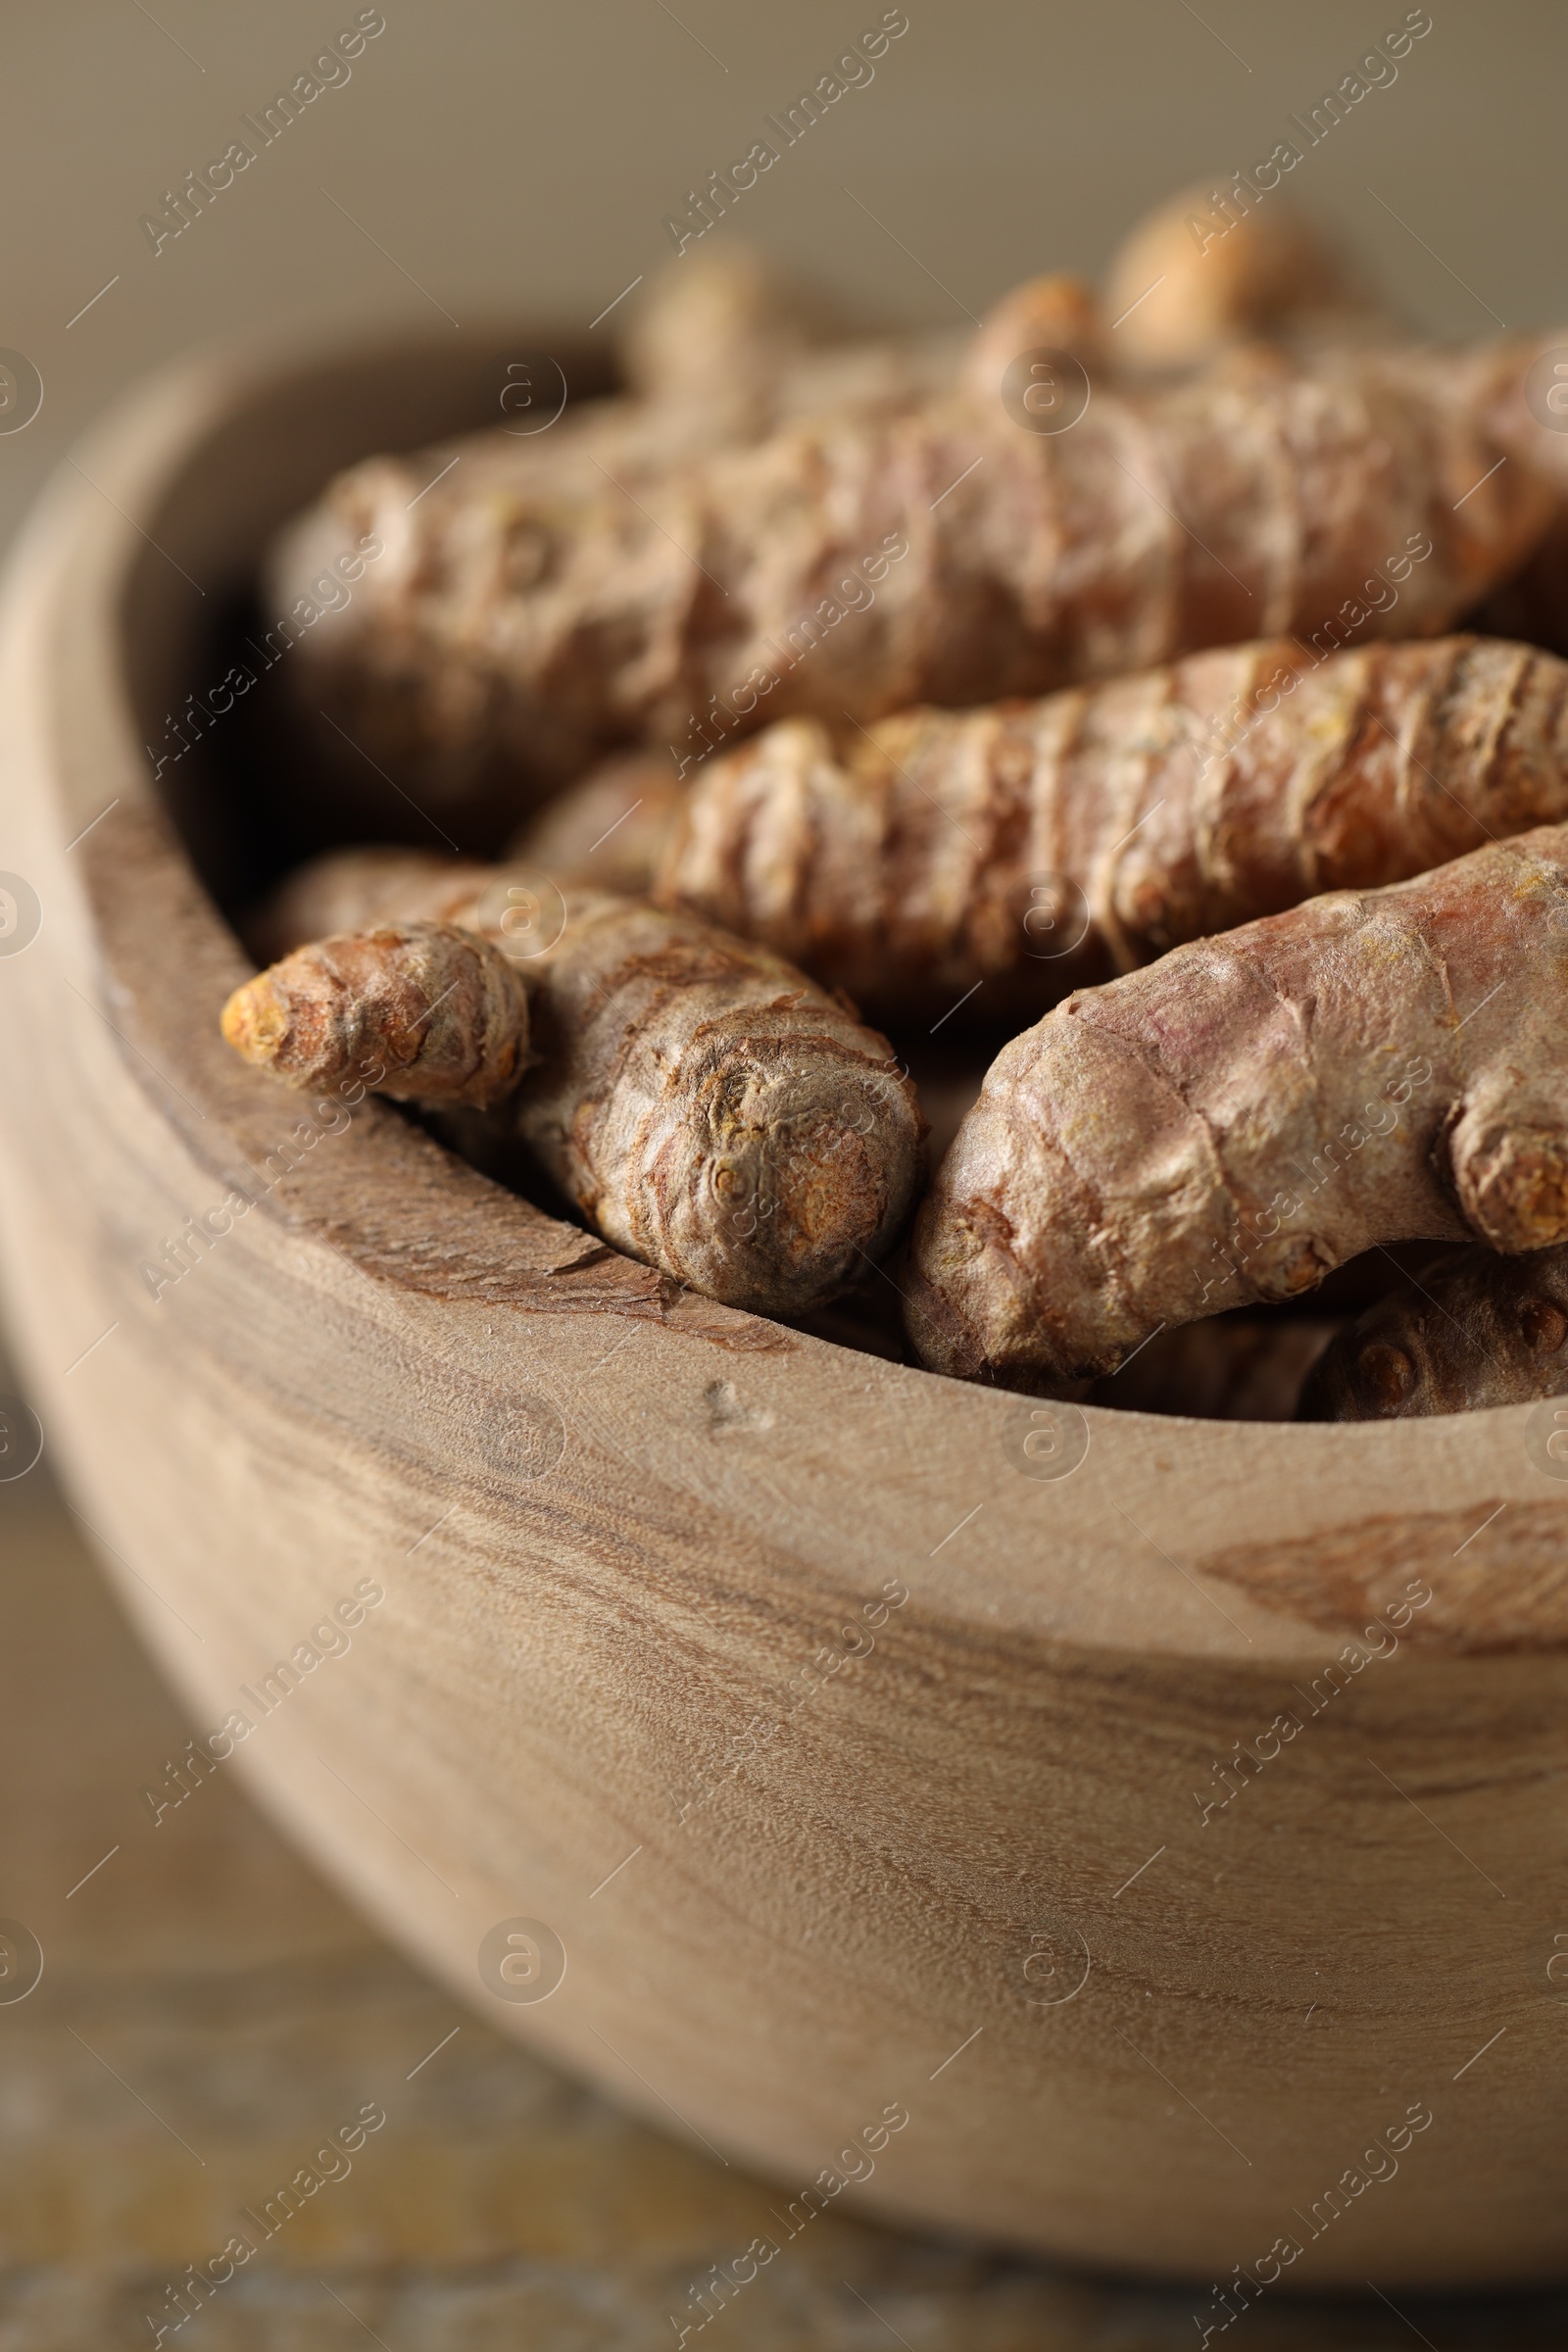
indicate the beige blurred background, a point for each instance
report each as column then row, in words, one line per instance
column 527, row 156
column 204, row 1994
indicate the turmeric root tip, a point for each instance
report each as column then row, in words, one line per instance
column 703, row 1106
column 713, row 1114
column 439, row 1011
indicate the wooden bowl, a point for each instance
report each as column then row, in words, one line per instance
column 859, row 1747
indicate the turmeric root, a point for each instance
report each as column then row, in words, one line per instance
column 713, row 330
column 319, row 572
column 1190, row 278
column 724, row 343
column 1227, row 1125
column 1029, row 847
column 712, row 1112
column 703, row 1106
column 1058, row 314
column 1000, row 858
column 1476, row 1330
column 723, row 350
column 520, row 626
column 440, row 1013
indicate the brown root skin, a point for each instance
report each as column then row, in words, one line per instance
column 528, row 615
column 1231, row 1123
column 993, row 859
column 707, row 1108
column 1479, row 1329
column 1057, row 312
column 712, row 332
column 440, row 1013
column 714, row 1113
column 723, row 346
column 1182, row 293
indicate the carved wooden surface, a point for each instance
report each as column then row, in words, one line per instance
column 210, row 2011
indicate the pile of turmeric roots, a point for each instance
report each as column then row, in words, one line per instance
column 1157, row 695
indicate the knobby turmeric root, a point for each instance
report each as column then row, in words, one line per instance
column 1054, row 313
column 1005, row 855
column 1217, row 265
column 442, row 1012
column 724, row 342
column 521, row 621
column 1227, row 1125
column 713, row 333
column 724, row 345
column 1476, row 1330
column 703, row 1106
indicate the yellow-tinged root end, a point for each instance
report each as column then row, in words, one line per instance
column 254, row 1021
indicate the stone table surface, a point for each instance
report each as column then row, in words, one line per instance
column 208, row 2009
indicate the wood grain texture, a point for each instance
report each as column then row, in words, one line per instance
column 204, row 1967
column 632, row 1545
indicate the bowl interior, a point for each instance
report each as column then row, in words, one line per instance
column 241, row 781
column 237, row 780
